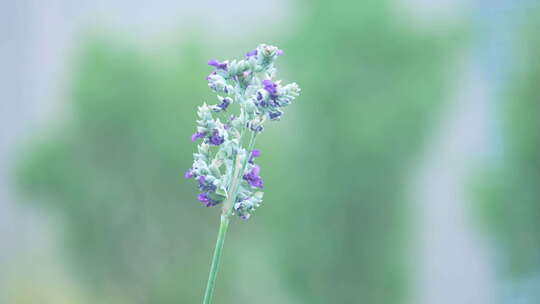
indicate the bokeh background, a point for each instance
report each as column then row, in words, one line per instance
column 407, row 171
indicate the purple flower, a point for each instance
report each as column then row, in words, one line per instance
column 270, row 87
column 217, row 64
column 279, row 52
column 225, row 103
column 204, row 185
column 259, row 96
column 207, row 200
column 202, row 181
column 253, row 177
column 197, row 135
column 254, row 154
column 203, row 197
column 215, row 139
column 251, row 53
column 213, row 73
column 189, row 174
column 257, row 128
column 274, row 115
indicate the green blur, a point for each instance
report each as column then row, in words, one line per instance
column 333, row 227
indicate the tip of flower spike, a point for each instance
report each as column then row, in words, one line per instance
column 279, row 52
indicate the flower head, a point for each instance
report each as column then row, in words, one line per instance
column 223, row 166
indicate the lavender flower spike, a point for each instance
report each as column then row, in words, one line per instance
column 224, row 163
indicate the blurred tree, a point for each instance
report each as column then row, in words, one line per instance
column 336, row 216
column 371, row 91
column 510, row 195
column 113, row 172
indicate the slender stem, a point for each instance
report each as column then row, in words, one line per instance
column 224, row 225
column 216, row 259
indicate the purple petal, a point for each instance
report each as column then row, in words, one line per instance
column 274, row 115
column 215, row 139
column 258, row 183
column 208, row 77
column 255, row 170
column 270, row 87
column 251, row 53
column 225, row 103
column 253, row 177
column 268, row 82
column 197, row 135
column 217, row 64
column 189, row 174
column 256, row 153
column 203, row 198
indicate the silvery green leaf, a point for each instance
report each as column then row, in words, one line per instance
column 222, row 191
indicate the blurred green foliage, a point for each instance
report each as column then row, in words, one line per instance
column 113, row 171
column 372, row 89
column 333, row 229
column 511, row 194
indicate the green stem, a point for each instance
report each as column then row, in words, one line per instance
column 216, row 259
column 224, row 225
